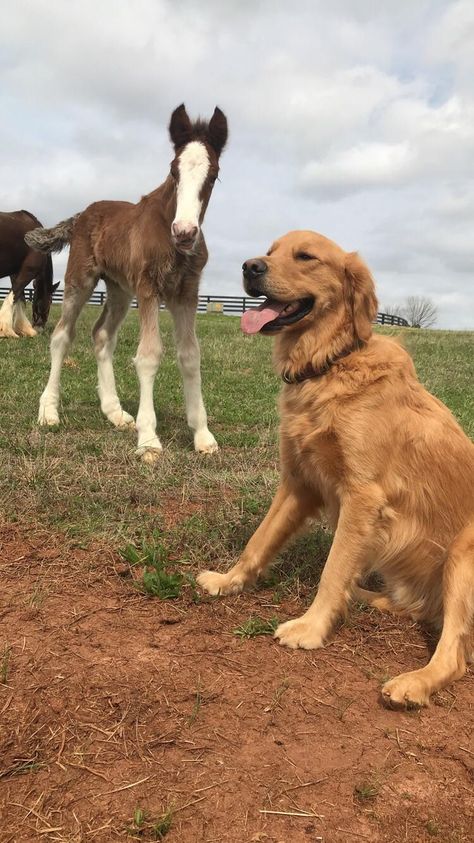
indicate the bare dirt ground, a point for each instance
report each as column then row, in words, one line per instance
column 111, row 701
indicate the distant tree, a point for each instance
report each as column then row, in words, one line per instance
column 420, row 312
column 394, row 310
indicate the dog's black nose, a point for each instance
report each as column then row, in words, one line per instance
column 254, row 269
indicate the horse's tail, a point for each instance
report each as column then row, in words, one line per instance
column 51, row 239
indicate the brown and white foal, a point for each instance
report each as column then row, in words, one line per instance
column 156, row 251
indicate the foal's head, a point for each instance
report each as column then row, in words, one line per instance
column 195, row 168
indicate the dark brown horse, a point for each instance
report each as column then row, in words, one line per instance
column 155, row 250
column 23, row 265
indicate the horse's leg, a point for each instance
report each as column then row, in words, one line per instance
column 104, row 335
column 28, row 271
column 6, row 317
column 146, row 362
column 189, row 360
column 75, row 297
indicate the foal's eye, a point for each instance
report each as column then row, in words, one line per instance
column 304, row 256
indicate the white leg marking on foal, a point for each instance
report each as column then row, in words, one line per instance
column 189, row 359
column 109, row 400
column 149, row 446
column 49, row 401
column 6, row 317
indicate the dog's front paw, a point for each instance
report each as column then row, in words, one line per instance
column 222, row 584
column 409, row 690
column 301, row 632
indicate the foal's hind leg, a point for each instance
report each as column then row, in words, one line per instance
column 189, row 360
column 104, row 335
column 75, row 297
column 449, row 659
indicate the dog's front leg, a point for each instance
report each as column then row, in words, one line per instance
column 351, row 549
column 290, row 508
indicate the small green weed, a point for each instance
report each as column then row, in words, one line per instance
column 432, row 828
column 157, row 578
column 279, row 691
column 196, row 706
column 256, row 626
column 145, row 827
column 366, row 791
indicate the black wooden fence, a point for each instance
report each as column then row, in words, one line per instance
column 230, row 305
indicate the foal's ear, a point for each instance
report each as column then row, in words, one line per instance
column 218, row 130
column 360, row 294
column 55, row 287
column 180, row 127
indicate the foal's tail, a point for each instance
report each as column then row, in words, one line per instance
column 51, row 239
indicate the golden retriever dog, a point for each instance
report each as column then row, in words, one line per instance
column 362, row 441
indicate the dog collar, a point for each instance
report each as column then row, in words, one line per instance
column 310, row 371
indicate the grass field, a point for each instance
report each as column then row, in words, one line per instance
column 84, row 478
column 135, row 708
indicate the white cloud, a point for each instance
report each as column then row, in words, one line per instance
column 353, row 118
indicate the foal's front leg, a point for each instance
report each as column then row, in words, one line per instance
column 189, row 360
column 146, row 362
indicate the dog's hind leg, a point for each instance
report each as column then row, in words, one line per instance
column 104, row 335
column 448, row 662
column 374, row 599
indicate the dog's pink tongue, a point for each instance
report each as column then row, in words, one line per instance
column 252, row 321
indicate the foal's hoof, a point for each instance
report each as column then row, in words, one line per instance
column 122, row 420
column 149, row 455
column 204, row 443
column 48, row 418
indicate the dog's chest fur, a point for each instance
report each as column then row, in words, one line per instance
column 310, row 446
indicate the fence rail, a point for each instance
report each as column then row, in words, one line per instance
column 230, row 305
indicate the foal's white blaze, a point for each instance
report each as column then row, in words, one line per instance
column 193, row 167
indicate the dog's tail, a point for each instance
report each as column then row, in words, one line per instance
column 51, row 239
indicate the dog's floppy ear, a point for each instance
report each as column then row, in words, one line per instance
column 360, row 294
column 180, row 127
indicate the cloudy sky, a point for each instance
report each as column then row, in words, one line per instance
column 351, row 117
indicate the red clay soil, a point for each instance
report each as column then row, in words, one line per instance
column 111, row 701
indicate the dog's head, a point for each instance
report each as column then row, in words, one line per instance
column 308, row 280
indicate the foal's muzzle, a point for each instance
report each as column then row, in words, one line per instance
column 184, row 236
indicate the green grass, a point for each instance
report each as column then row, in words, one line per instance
column 366, row 791
column 146, row 827
column 84, row 479
column 256, row 626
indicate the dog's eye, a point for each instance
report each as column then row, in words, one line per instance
column 304, row 256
